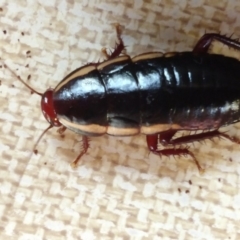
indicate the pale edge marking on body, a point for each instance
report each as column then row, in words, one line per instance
column 110, row 130
column 87, row 69
column 80, row 72
column 112, row 61
column 114, row 131
column 146, row 56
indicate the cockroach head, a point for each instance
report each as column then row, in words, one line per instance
column 48, row 108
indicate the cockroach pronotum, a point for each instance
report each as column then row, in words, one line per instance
column 153, row 94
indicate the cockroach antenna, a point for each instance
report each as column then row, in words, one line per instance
column 34, row 91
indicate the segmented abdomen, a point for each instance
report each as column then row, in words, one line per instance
column 150, row 93
column 196, row 91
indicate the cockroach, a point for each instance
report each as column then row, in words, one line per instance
column 152, row 93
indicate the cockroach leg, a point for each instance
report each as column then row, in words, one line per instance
column 205, row 42
column 61, row 130
column 152, row 142
column 85, row 146
column 119, row 48
column 165, row 138
column 105, row 53
column 232, row 139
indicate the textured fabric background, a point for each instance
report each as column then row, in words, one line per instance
column 119, row 190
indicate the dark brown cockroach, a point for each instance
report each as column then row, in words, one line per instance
column 153, row 94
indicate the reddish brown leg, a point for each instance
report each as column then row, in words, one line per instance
column 119, row 48
column 85, row 146
column 152, row 142
column 61, row 130
column 165, row 138
column 205, row 42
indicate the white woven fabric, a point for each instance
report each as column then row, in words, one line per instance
column 119, row 190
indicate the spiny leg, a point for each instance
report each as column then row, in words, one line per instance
column 85, row 146
column 119, row 48
column 232, row 139
column 165, row 138
column 205, row 42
